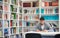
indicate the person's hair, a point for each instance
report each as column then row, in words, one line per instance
column 42, row 18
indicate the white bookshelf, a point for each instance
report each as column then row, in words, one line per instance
column 18, row 19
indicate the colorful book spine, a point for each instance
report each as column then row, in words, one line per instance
column 11, row 7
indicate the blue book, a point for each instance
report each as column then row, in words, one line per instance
column 37, row 11
column 42, row 11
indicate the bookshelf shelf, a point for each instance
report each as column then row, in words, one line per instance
column 20, row 16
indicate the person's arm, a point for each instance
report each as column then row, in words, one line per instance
column 50, row 28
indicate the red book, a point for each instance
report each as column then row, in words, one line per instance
column 26, row 4
column 46, row 3
column 11, row 23
column 54, row 3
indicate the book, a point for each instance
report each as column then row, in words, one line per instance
column 0, row 23
column 42, row 4
column 56, row 10
column 10, row 23
column 13, row 15
column 5, row 0
column 6, row 32
column 26, row 4
column 20, row 29
column 6, row 24
column 17, row 36
column 37, row 11
column 0, row 15
column 0, row 32
column 46, row 3
column 1, row 8
column 55, row 4
column 35, row 4
column 14, row 2
column 6, row 16
column 20, row 23
column 6, row 8
column 11, row 7
column 20, row 16
column 14, row 23
column 42, row 11
column 14, row 30
column 50, row 3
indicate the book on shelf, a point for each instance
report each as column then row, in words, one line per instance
column 14, row 1
column 56, row 10
column 0, row 23
column 5, row 0
column 55, row 3
column 14, row 23
column 26, row 4
column 20, row 29
column 14, row 30
column 20, row 10
column 13, row 15
column 37, row 11
column 1, row 7
column 6, row 31
column 1, row 33
column 42, row 11
column 0, row 15
column 6, row 23
column 46, row 3
column 10, row 23
column 6, row 8
column 51, row 17
column 11, row 7
column 17, row 36
column 49, row 4
column 35, row 4
column 11, row 30
column 20, row 23
column 20, row 16
column 6, row 16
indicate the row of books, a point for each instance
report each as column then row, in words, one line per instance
column 31, row 11
column 14, row 23
column 34, row 4
column 15, row 30
column 29, row 23
column 31, row 17
column 49, row 11
column 51, row 17
column 49, row 4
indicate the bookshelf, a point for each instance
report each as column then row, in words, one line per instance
column 20, row 16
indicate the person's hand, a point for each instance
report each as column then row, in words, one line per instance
column 38, row 31
column 45, row 30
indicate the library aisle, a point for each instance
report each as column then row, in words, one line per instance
column 20, row 16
